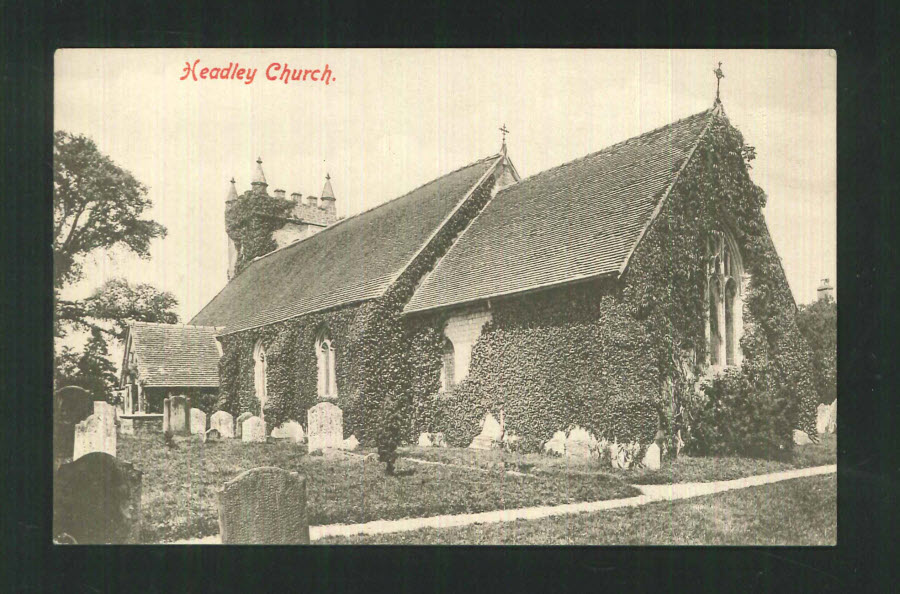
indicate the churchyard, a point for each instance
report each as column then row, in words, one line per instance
column 193, row 478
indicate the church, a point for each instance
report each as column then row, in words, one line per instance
column 599, row 294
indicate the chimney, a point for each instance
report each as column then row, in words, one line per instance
column 279, row 194
column 297, row 198
column 825, row 290
column 312, row 201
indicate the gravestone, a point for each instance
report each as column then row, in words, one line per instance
column 822, row 412
column 800, row 437
column 490, row 436
column 438, row 440
column 425, row 440
column 831, row 421
column 325, row 425
column 198, row 421
column 350, row 444
column 212, row 435
column 97, row 500
column 177, row 415
column 253, row 429
column 580, row 443
column 556, row 444
column 71, row 405
column 291, row 430
column 652, row 457
column 94, row 434
column 239, row 424
column 223, row 422
column 264, row 506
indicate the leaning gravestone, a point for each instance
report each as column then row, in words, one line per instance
column 94, row 434
column 490, row 436
column 264, row 506
column 253, row 429
column 223, row 422
column 97, row 500
column 198, row 421
column 325, row 425
column 177, row 415
column 71, row 405
column 239, row 423
column 291, row 430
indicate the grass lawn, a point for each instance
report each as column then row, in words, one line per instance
column 684, row 469
column 180, row 485
column 793, row 512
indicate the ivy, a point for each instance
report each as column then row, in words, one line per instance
column 625, row 359
column 251, row 220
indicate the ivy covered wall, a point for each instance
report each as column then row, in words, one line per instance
column 623, row 359
column 371, row 351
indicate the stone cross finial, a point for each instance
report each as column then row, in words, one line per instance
column 719, row 76
column 505, row 132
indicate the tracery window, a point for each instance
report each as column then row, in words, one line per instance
column 327, row 382
column 724, row 292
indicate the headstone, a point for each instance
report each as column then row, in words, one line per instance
column 652, row 457
column 253, row 429
column 490, row 436
column 239, row 424
column 438, row 440
column 425, row 440
column 71, row 405
column 223, row 422
column 264, row 506
column 350, row 444
column 94, row 434
column 831, row 423
column 212, row 435
column 801, row 438
column 556, row 444
column 291, row 430
column 325, row 425
column 198, row 421
column 97, row 500
column 580, row 443
column 176, row 415
column 822, row 412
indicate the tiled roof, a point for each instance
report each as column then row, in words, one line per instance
column 176, row 355
column 353, row 260
column 578, row 220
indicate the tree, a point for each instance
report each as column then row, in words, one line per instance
column 114, row 304
column 92, row 369
column 96, row 204
column 818, row 324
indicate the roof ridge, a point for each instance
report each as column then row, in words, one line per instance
column 175, row 325
column 377, row 206
column 608, row 148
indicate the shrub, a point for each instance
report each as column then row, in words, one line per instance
column 742, row 412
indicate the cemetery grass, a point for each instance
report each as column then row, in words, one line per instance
column 181, row 485
column 793, row 512
column 684, row 469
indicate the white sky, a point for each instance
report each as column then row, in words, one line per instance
column 391, row 120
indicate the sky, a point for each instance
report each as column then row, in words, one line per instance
column 388, row 121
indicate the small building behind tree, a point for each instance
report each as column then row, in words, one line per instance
column 162, row 360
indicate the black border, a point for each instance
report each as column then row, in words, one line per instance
column 861, row 34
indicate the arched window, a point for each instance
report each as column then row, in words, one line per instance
column 724, row 313
column 447, row 366
column 325, row 364
column 259, row 374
